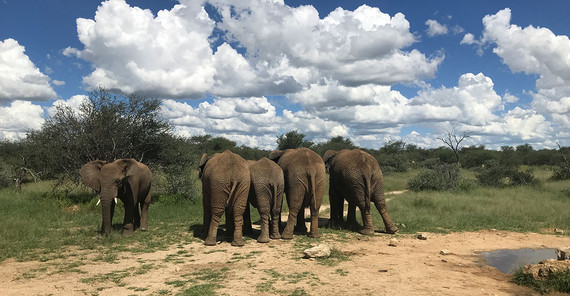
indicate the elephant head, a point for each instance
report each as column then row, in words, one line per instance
column 275, row 155
column 202, row 164
column 110, row 180
column 328, row 157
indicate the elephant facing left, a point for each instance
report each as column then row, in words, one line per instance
column 126, row 179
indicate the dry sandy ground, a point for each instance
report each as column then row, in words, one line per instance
column 371, row 267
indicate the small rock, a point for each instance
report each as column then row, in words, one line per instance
column 563, row 253
column 423, row 236
column 393, row 242
column 546, row 267
column 443, row 260
column 558, row 231
column 320, row 251
column 445, row 252
column 383, row 270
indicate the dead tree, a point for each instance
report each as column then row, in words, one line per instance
column 453, row 141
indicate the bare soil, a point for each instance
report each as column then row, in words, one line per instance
column 362, row 265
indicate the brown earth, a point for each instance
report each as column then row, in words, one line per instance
column 362, row 265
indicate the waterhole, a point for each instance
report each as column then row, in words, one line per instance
column 507, row 261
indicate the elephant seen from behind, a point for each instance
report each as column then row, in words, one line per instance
column 304, row 173
column 225, row 187
column 266, row 194
column 126, row 179
column 356, row 176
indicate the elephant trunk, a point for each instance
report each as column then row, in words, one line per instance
column 107, row 210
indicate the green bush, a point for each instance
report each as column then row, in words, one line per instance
column 559, row 281
column 440, row 177
column 494, row 174
column 6, row 175
column 561, row 174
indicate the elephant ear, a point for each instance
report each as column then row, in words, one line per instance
column 202, row 164
column 91, row 174
column 328, row 158
column 129, row 166
column 275, row 155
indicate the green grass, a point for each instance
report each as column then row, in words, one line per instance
column 559, row 281
column 37, row 226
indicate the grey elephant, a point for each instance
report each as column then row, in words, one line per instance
column 304, row 173
column 266, row 194
column 356, row 176
column 126, row 179
column 225, row 186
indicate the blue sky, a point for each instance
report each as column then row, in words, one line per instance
column 371, row 71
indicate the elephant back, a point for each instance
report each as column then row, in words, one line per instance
column 355, row 164
column 266, row 171
column 226, row 166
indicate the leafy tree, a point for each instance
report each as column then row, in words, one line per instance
column 106, row 127
column 292, row 140
column 336, row 143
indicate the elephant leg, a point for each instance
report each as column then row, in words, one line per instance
column 380, row 204
column 144, row 212
column 247, row 220
column 264, row 236
column 237, row 211
column 216, row 215
column 275, row 222
column 351, row 216
column 315, row 206
column 301, row 227
column 128, row 225
column 336, row 204
column 207, row 214
column 368, row 228
column 314, row 222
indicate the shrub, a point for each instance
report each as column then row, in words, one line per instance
column 494, row 174
column 561, row 174
column 440, row 177
column 6, row 175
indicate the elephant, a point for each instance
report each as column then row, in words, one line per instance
column 304, row 173
column 266, row 194
column 127, row 179
column 225, row 186
column 356, row 176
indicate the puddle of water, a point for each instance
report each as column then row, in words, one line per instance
column 507, row 261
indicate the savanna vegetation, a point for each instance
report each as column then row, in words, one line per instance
column 516, row 188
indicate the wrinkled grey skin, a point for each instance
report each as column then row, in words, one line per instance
column 126, row 179
column 356, row 176
column 225, row 187
column 265, row 194
column 304, row 173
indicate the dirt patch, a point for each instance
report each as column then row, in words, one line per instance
column 360, row 266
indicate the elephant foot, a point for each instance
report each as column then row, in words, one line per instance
column 263, row 240
column 314, row 235
column 238, row 243
column 210, row 241
column 287, row 236
column 275, row 236
column 367, row 231
column 392, row 230
column 143, row 229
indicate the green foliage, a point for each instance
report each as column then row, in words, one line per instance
column 440, row 177
column 561, row 173
column 292, row 140
column 559, row 281
column 336, row 143
column 6, row 174
column 495, row 174
column 106, row 127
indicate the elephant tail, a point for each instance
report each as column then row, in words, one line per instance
column 367, row 192
column 312, row 188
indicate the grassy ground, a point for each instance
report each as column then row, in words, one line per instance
column 36, row 225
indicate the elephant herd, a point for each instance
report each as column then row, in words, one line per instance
column 230, row 184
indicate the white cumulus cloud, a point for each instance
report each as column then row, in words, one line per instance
column 18, row 118
column 435, row 28
column 20, row 79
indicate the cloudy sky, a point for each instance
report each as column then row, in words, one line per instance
column 250, row 70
